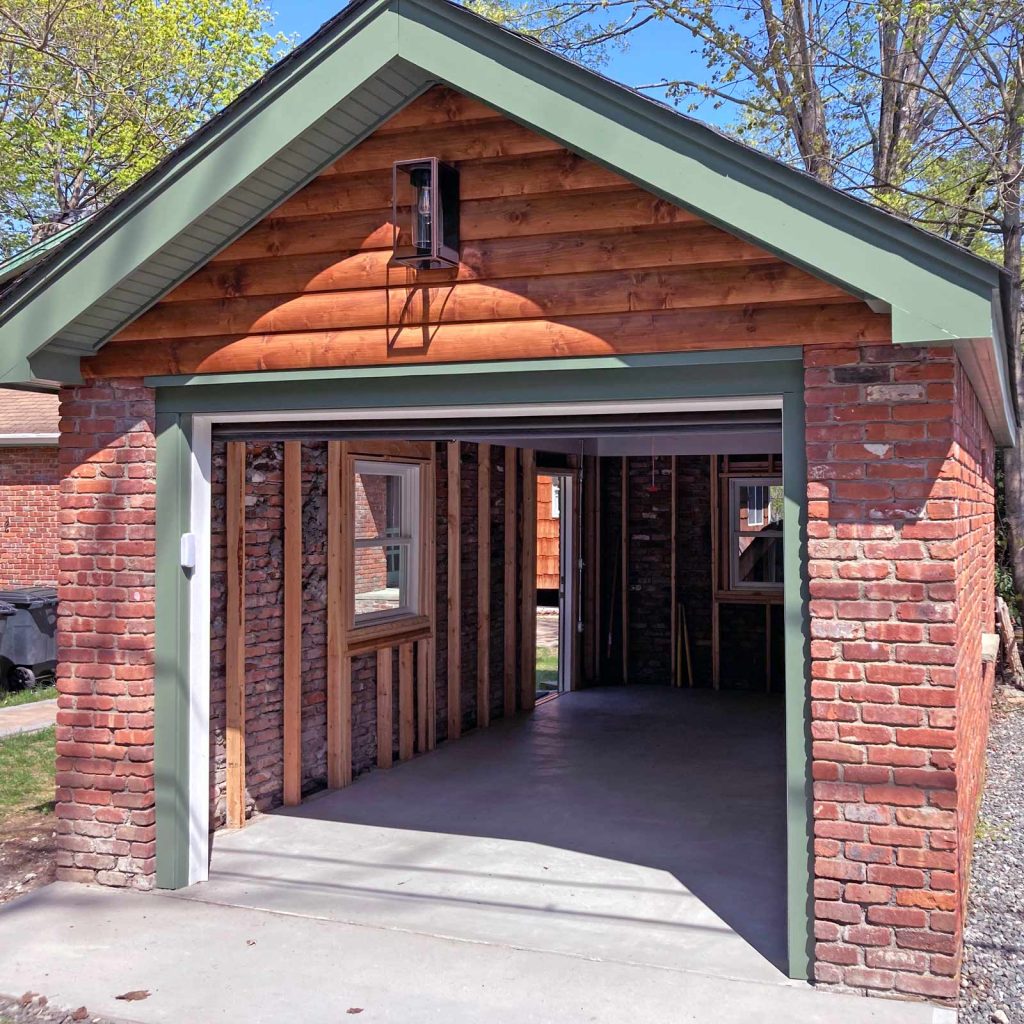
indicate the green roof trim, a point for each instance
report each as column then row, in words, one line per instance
column 375, row 57
column 16, row 265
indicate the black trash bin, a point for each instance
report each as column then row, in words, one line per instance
column 28, row 637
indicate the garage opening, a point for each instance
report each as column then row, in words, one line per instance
column 615, row 681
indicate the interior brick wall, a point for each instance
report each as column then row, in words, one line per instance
column 899, row 500
column 105, row 635
column 265, row 625
column 29, row 506
column 743, row 649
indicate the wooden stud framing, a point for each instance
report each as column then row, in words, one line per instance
column 596, row 570
column 483, row 586
column 589, row 549
column 576, row 570
column 715, row 609
column 424, row 654
column 406, row 708
column 528, row 568
column 509, row 636
column 673, row 573
column 235, row 635
column 454, row 590
column 292, row 701
column 624, row 593
column 385, row 708
column 339, row 665
column 429, row 647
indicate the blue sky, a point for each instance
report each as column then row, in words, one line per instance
column 655, row 51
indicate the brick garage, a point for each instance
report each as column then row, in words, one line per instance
column 677, row 276
column 29, row 482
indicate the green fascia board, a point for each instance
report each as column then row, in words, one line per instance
column 17, row 264
column 527, row 382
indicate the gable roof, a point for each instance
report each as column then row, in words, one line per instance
column 373, row 58
column 28, row 417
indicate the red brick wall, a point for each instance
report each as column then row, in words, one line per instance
column 900, row 492
column 975, row 571
column 29, row 501
column 105, row 634
column 371, row 570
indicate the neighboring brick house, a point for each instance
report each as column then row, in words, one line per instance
column 29, row 488
column 779, row 408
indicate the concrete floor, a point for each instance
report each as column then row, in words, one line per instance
column 641, row 825
column 617, row 856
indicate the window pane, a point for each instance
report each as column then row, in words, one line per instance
column 381, row 578
column 760, row 507
column 378, row 498
column 758, row 559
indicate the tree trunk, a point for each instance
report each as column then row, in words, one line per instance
column 1012, row 239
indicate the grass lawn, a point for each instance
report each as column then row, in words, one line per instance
column 547, row 668
column 10, row 700
column 27, row 767
column 27, row 823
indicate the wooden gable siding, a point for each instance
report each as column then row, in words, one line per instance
column 548, row 543
column 560, row 257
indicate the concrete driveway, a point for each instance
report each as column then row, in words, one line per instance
column 203, row 962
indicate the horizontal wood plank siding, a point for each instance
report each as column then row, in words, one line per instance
column 560, row 257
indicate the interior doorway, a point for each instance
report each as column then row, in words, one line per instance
column 554, row 582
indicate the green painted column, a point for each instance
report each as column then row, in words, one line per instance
column 799, row 839
column 171, row 745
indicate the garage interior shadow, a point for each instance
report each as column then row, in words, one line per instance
column 642, row 824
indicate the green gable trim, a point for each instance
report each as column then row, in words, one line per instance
column 775, row 354
column 384, row 53
column 525, row 383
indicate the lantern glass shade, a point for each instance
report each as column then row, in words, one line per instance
column 425, row 214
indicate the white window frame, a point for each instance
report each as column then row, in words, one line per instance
column 409, row 474
column 736, row 530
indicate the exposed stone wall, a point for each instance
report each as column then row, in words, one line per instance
column 900, row 501
column 105, row 635
column 265, row 625
column 29, row 506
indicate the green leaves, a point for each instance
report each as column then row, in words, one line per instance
column 96, row 92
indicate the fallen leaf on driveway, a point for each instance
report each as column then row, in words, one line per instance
column 354, row 1009
column 134, row 996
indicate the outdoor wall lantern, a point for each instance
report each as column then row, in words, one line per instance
column 425, row 214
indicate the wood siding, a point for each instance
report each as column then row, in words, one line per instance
column 547, row 536
column 560, row 257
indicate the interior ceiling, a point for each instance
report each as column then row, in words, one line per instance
column 724, row 433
